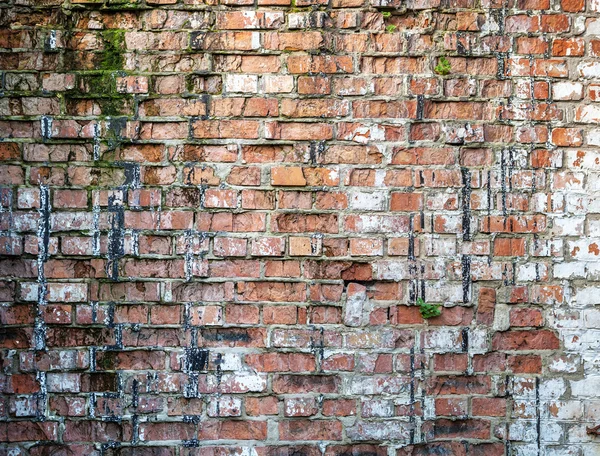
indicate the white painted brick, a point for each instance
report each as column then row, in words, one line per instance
column 242, row 83
column 369, row 201
column 567, row 90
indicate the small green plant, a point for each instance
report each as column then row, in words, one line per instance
column 386, row 14
column 443, row 67
column 390, row 28
column 429, row 310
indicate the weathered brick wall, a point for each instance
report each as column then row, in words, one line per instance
column 217, row 218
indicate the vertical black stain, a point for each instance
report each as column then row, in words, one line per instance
column 501, row 69
column 465, row 340
column 460, row 48
column 206, row 99
column 466, row 277
column 466, row 204
column 318, row 347
column 412, row 395
column 503, row 180
column 92, row 359
column 43, row 253
column 489, row 192
column 44, row 228
column 316, row 150
column 538, row 420
column 109, row 321
column 411, row 239
column 219, row 368
column 505, row 278
column 116, row 238
column 46, row 126
column 412, row 290
column 115, row 126
column 420, row 106
column 196, row 359
column 135, row 424
column 132, row 175
column 41, row 396
column 105, row 447
column 511, row 167
column 423, row 283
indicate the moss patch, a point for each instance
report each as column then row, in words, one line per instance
column 111, row 58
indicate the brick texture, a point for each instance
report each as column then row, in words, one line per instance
column 217, row 216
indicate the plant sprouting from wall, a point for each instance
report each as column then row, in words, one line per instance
column 443, row 67
column 429, row 310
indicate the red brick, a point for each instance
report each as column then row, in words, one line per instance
column 525, row 340
column 231, row 189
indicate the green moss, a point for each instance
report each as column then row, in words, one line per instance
column 101, row 83
column 443, row 67
column 111, row 58
column 111, row 106
column 390, row 28
column 386, row 14
column 429, row 310
column 102, row 88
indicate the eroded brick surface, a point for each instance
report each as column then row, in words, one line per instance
column 217, row 216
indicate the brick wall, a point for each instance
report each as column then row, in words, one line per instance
column 220, row 221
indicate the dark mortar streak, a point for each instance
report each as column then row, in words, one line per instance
column 412, row 292
column 423, row 283
column 420, row 106
column 115, row 127
column 466, row 204
column 135, row 424
column 132, row 174
column 511, row 167
column 39, row 335
column 46, row 125
column 44, row 222
column 192, row 443
column 466, row 277
column 110, row 315
column 503, row 181
column 234, row 335
column 412, row 395
column 187, row 318
column 219, row 369
column 538, row 421
column 92, row 359
column 108, row 446
column 460, row 48
column 193, row 419
column 315, row 150
column 41, row 396
column 193, row 337
column 465, row 340
column 196, row 359
column 116, row 238
column 500, row 67
column 411, row 239
column 135, row 393
column 489, row 192
column 206, row 99
column 317, row 347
